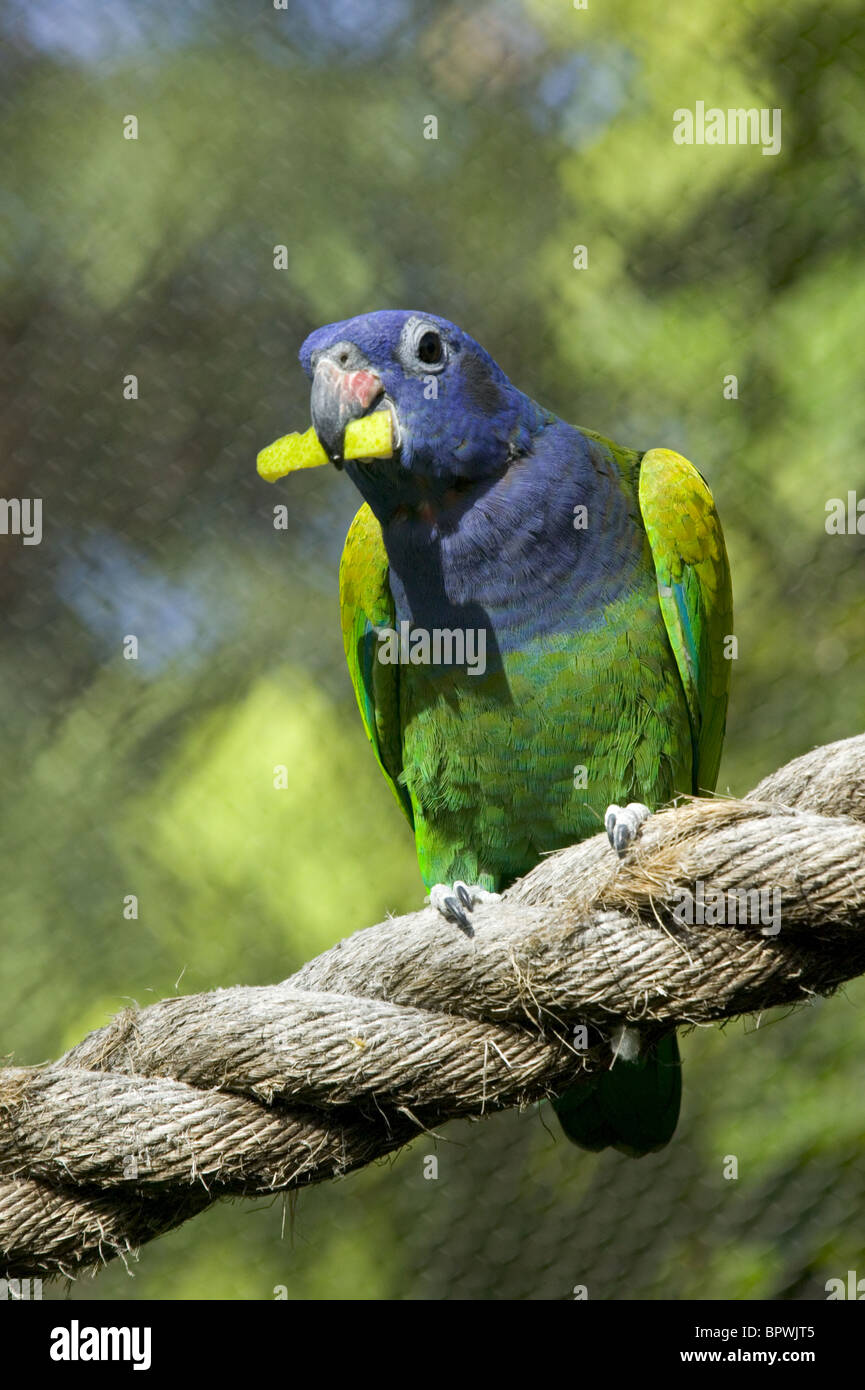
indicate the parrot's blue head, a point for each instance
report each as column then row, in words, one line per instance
column 459, row 420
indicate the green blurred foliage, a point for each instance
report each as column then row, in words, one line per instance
column 304, row 127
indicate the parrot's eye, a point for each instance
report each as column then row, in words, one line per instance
column 421, row 348
column 429, row 348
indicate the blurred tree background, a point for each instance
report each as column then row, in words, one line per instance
column 304, row 127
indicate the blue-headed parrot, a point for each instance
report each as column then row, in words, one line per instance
column 534, row 621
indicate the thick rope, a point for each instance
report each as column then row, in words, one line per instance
column 410, row 1023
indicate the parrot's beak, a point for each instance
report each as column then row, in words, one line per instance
column 338, row 396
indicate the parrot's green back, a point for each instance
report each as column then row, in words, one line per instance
column 625, row 701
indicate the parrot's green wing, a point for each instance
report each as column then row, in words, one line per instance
column 695, row 596
column 366, row 606
column 634, row 1107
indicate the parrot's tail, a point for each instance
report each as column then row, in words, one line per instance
column 634, row 1107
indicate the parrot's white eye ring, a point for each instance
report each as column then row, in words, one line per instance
column 422, row 348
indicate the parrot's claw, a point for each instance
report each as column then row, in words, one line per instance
column 623, row 824
column 456, row 902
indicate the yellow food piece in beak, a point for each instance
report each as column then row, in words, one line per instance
column 370, row 437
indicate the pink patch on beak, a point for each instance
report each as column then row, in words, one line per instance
column 362, row 387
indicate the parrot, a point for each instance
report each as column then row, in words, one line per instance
column 535, row 622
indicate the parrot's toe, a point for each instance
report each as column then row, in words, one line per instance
column 456, row 902
column 623, row 824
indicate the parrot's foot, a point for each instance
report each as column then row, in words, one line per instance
column 456, row 903
column 623, row 824
column 625, row 1042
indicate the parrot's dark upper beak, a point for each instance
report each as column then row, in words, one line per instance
column 344, row 387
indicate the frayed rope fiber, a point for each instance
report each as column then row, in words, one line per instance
column 411, row 1023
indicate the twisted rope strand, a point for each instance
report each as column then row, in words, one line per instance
column 410, row 1023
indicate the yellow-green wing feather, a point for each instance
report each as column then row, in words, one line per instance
column 366, row 606
column 695, row 595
